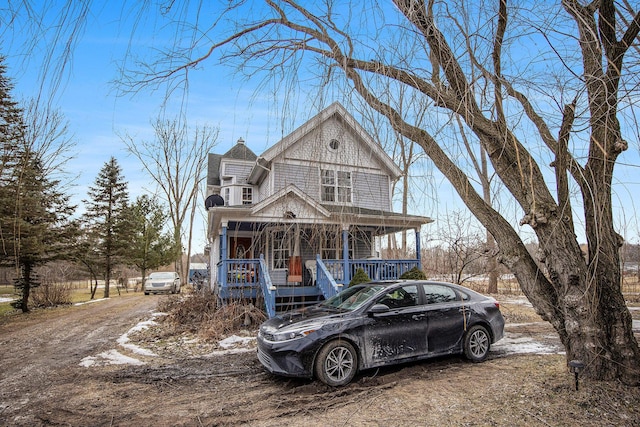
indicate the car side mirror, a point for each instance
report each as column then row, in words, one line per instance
column 378, row 309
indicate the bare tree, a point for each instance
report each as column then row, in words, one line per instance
column 463, row 247
column 450, row 54
column 177, row 163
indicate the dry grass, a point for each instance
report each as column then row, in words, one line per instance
column 198, row 313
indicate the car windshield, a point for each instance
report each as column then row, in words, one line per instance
column 161, row 276
column 352, row 298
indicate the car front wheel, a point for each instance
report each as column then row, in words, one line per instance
column 477, row 343
column 337, row 363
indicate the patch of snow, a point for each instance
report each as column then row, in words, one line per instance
column 114, row 357
column 111, row 357
column 3, row 299
column 519, row 301
column 233, row 345
column 523, row 345
column 235, row 341
column 91, row 301
column 123, row 341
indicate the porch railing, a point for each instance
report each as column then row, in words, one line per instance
column 238, row 278
column 268, row 290
column 325, row 280
column 247, row 278
column 376, row 269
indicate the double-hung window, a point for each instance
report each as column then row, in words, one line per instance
column 280, row 249
column 247, row 195
column 335, row 186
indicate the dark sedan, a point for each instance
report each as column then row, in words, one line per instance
column 377, row 324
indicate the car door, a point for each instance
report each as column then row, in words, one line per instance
column 446, row 316
column 399, row 333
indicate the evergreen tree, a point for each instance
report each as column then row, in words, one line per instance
column 40, row 229
column 150, row 248
column 35, row 225
column 12, row 126
column 12, row 130
column 106, row 217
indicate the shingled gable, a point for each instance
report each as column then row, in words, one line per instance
column 290, row 200
column 238, row 152
column 263, row 161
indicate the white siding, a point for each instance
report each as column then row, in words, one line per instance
column 238, row 170
column 371, row 191
column 305, row 177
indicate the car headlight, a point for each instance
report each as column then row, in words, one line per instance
column 289, row 335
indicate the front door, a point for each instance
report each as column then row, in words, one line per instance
column 241, row 248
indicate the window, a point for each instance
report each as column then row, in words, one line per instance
column 247, row 195
column 280, row 249
column 331, row 245
column 405, row 296
column 227, row 196
column 335, row 186
column 439, row 293
column 334, row 144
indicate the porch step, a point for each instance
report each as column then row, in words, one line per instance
column 291, row 298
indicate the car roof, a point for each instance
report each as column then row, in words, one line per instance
column 423, row 282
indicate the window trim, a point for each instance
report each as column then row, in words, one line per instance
column 246, row 200
column 335, row 180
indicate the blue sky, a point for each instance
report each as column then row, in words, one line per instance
column 97, row 116
column 216, row 97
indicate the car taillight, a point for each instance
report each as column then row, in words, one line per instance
column 497, row 304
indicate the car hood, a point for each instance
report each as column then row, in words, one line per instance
column 301, row 317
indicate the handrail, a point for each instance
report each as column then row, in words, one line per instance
column 376, row 269
column 325, row 281
column 268, row 290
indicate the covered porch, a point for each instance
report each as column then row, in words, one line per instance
column 288, row 262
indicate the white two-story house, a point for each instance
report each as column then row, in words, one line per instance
column 293, row 224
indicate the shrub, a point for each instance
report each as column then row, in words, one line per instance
column 359, row 277
column 50, row 295
column 199, row 313
column 413, row 274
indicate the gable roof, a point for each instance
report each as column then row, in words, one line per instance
column 287, row 192
column 238, row 152
column 334, row 109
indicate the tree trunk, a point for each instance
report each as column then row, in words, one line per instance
column 26, row 287
column 107, row 276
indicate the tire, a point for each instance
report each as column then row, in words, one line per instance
column 336, row 363
column 146, row 293
column 477, row 342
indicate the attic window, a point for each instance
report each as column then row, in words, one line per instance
column 334, row 144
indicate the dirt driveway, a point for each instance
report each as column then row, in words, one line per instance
column 43, row 382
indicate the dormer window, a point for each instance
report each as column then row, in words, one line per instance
column 247, row 195
column 335, row 186
column 227, row 197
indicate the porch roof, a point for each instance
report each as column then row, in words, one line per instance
column 383, row 222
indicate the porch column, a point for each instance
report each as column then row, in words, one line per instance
column 345, row 256
column 223, row 255
column 418, row 254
